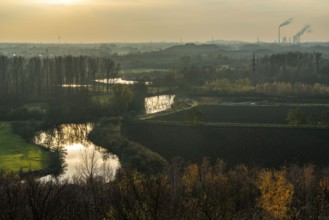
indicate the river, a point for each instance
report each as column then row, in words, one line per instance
column 159, row 103
column 119, row 81
column 82, row 157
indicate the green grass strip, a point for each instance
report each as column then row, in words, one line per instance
column 16, row 154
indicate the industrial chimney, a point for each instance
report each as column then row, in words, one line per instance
column 286, row 22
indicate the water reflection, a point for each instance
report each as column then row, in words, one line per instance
column 73, row 85
column 160, row 103
column 83, row 159
column 119, row 81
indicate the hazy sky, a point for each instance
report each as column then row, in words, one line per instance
column 160, row 20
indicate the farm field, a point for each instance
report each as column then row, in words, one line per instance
column 16, row 154
column 265, row 146
column 257, row 114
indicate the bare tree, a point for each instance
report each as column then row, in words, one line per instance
column 111, row 70
column 94, row 167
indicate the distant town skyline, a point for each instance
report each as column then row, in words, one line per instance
column 102, row 21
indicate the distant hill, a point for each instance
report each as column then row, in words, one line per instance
column 192, row 48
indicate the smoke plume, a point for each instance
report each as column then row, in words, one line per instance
column 303, row 30
column 286, row 22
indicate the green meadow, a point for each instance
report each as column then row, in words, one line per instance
column 141, row 70
column 16, row 154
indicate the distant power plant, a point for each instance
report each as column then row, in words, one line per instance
column 296, row 37
column 286, row 22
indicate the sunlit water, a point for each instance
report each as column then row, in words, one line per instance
column 160, row 103
column 153, row 104
column 119, row 81
column 74, row 85
column 82, row 157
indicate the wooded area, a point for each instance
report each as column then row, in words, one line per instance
column 183, row 191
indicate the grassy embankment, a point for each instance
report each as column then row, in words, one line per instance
column 108, row 135
column 254, row 114
column 16, row 154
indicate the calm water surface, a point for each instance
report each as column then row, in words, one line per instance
column 81, row 156
column 119, row 81
column 159, row 103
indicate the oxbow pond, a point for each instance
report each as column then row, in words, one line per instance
column 82, row 158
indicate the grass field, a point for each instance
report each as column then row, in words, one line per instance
column 16, row 154
column 238, row 133
column 266, row 146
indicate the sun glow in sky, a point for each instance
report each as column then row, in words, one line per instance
column 61, row 2
column 64, row 2
column 159, row 20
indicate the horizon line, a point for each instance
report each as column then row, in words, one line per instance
column 157, row 42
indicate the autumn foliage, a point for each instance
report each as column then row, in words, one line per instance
column 183, row 191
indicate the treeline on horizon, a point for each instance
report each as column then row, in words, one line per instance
column 291, row 66
column 71, row 80
column 210, row 72
column 182, row 191
column 37, row 78
column 65, row 86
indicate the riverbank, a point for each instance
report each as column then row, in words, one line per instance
column 245, row 112
column 107, row 133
